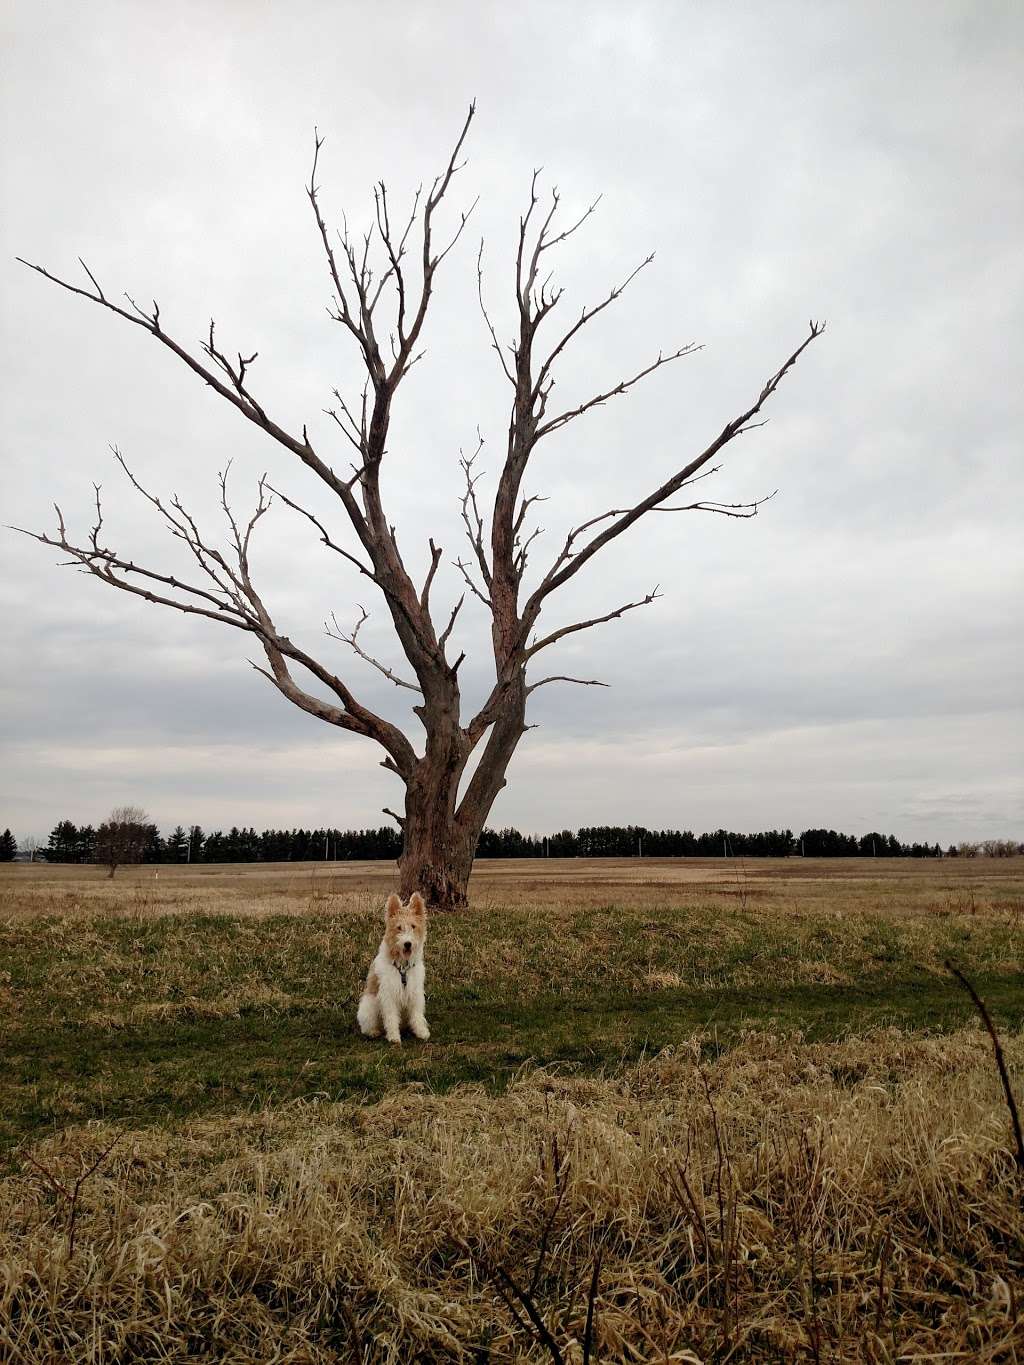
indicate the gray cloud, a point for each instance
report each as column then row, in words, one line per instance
column 850, row 657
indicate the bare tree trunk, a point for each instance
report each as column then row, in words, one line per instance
column 437, row 854
column 437, row 857
column 440, row 833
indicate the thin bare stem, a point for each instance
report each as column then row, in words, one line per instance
column 351, row 639
column 555, row 635
column 997, row 1047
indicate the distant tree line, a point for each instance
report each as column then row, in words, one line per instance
column 632, row 841
column 70, row 843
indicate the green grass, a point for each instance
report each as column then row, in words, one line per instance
column 140, row 1020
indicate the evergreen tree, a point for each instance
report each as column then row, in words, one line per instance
column 8, row 846
column 176, row 846
column 153, row 849
column 213, row 848
column 63, row 843
column 868, row 844
column 275, row 846
column 564, row 844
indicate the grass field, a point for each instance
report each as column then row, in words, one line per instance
column 752, row 1089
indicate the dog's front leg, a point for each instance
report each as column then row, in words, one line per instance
column 392, row 1020
column 418, row 1018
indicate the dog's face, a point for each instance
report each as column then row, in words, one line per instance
column 405, row 928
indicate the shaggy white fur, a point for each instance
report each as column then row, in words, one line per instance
column 394, row 990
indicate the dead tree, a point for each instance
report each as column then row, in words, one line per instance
column 382, row 286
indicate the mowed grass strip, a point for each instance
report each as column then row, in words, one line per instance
column 145, row 1016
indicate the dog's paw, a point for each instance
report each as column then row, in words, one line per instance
column 419, row 1030
column 395, row 1038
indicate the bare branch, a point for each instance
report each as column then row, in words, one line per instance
column 483, row 309
column 233, row 601
column 241, row 400
column 586, row 625
column 278, row 649
column 523, row 551
column 470, row 508
column 588, row 314
column 744, row 510
column 325, row 538
column 435, row 558
column 561, row 677
column 451, row 622
column 463, row 220
column 95, row 284
column 395, row 251
column 114, row 570
column 355, row 433
column 566, row 553
column 565, row 566
column 343, row 314
column 564, row 236
column 351, row 639
column 463, row 568
column 524, row 508
column 431, row 262
column 398, row 819
column 623, row 386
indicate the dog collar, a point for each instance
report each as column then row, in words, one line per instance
column 403, row 972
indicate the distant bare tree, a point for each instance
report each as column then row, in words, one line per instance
column 122, row 837
column 382, row 285
column 1000, row 848
column 32, row 846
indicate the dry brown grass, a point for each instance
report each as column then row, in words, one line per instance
column 788, row 1201
column 752, row 1197
column 892, row 885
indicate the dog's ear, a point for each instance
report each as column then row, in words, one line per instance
column 417, row 905
column 393, row 907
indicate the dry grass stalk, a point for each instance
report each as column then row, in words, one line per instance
column 1011, row 1102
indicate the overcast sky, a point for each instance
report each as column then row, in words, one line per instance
column 851, row 658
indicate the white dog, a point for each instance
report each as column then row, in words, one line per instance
column 393, row 993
